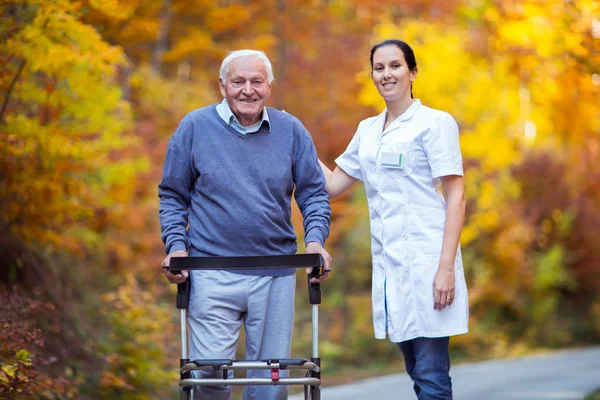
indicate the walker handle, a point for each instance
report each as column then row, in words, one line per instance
column 183, row 294
column 314, row 289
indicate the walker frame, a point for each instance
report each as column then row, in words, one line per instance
column 312, row 380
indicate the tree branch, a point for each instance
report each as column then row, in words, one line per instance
column 9, row 91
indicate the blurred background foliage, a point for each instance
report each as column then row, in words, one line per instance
column 92, row 90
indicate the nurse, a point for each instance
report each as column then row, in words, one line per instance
column 410, row 162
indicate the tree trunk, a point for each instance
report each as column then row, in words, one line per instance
column 162, row 37
column 282, row 52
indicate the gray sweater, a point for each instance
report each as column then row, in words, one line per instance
column 227, row 194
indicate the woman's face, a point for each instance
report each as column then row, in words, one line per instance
column 391, row 74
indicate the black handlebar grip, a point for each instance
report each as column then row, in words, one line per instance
column 183, row 294
column 314, row 289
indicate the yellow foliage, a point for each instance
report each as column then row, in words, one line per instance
column 9, row 370
column 173, row 98
column 65, row 122
column 134, row 352
column 196, row 42
column 116, row 9
column 226, row 18
column 547, row 43
column 140, row 29
column 265, row 42
column 469, row 233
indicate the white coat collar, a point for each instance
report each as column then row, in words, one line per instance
column 405, row 116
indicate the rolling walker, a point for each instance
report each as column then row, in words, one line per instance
column 312, row 379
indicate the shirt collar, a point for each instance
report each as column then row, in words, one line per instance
column 230, row 119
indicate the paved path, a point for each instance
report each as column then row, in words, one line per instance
column 562, row 375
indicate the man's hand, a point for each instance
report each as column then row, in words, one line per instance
column 316, row 248
column 179, row 278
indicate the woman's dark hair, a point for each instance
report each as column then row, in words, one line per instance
column 409, row 54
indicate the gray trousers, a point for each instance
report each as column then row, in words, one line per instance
column 220, row 302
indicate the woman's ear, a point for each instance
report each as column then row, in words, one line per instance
column 413, row 74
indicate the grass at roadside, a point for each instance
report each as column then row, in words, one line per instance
column 593, row 396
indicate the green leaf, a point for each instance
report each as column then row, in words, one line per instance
column 24, row 357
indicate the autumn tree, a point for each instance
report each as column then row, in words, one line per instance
column 63, row 129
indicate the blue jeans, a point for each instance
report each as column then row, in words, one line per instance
column 428, row 364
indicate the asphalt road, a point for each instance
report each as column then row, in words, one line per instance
column 563, row 375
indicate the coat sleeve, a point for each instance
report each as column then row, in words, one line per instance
column 348, row 161
column 442, row 146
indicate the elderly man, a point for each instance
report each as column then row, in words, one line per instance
column 227, row 185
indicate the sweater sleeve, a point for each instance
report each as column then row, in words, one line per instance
column 310, row 193
column 174, row 189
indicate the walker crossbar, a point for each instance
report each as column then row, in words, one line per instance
column 206, row 365
column 185, row 383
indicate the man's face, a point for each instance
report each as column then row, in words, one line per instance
column 246, row 89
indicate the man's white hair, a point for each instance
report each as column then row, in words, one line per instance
column 246, row 53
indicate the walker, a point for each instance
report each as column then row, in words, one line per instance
column 312, row 379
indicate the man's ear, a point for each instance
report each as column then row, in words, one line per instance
column 222, row 87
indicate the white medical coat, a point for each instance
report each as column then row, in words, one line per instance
column 407, row 214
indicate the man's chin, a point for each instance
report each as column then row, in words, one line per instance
column 250, row 114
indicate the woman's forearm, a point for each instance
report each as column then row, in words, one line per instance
column 455, row 218
column 326, row 171
column 336, row 182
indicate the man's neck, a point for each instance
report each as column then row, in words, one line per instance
column 248, row 122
